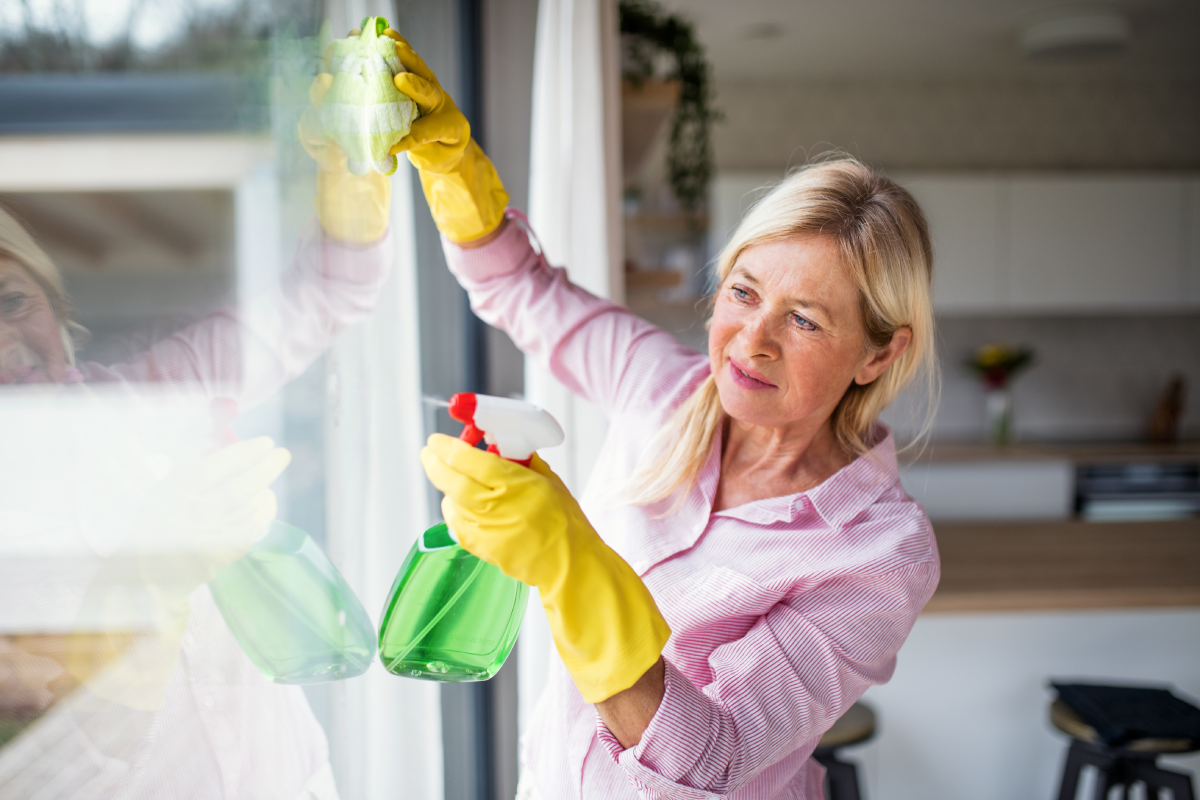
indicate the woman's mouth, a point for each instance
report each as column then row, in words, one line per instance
column 748, row 378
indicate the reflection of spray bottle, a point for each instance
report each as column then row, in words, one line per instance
column 451, row 616
column 287, row 605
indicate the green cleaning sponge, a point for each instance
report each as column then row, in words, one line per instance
column 363, row 111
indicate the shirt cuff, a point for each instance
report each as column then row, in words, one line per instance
column 507, row 253
column 677, row 736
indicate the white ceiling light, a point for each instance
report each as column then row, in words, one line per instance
column 1078, row 33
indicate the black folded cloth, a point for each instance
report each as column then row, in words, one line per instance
column 1121, row 714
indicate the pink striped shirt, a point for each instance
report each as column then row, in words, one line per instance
column 783, row 611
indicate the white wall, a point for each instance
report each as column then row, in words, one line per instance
column 1094, row 376
column 965, row 715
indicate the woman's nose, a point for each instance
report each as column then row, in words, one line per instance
column 759, row 337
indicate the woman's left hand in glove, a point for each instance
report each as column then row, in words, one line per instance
column 605, row 623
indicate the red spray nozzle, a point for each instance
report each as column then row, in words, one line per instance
column 514, row 429
column 462, row 408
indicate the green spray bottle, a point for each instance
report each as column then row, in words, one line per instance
column 449, row 615
column 289, row 608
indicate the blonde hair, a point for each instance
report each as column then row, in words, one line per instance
column 17, row 243
column 884, row 242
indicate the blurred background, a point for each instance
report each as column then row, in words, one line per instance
column 150, row 147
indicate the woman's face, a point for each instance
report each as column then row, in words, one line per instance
column 31, row 347
column 787, row 338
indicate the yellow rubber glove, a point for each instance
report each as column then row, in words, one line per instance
column 352, row 208
column 464, row 192
column 605, row 623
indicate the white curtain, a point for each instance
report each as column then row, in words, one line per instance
column 385, row 737
column 574, row 206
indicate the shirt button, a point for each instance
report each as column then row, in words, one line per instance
column 208, row 701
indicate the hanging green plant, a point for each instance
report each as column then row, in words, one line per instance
column 646, row 33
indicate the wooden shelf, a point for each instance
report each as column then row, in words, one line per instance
column 652, row 278
column 1043, row 566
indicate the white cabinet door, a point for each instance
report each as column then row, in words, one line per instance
column 992, row 490
column 966, row 215
column 1097, row 243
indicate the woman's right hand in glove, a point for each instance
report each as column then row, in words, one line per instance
column 605, row 623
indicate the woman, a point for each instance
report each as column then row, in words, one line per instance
column 179, row 711
column 744, row 563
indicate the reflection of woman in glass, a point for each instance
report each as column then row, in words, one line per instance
column 182, row 712
column 745, row 563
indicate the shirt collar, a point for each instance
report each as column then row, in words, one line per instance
column 838, row 500
column 850, row 490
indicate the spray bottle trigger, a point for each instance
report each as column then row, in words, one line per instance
column 524, row 462
column 471, row 435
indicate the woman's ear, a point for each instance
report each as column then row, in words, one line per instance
column 881, row 359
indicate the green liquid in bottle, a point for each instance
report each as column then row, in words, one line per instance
column 449, row 616
column 292, row 612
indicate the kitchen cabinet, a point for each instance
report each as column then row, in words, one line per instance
column 967, row 216
column 992, row 490
column 1022, row 243
column 1097, row 243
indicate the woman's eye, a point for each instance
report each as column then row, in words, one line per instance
column 740, row 293
column 12, row 303
column 803, row 323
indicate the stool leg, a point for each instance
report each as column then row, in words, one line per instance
column 1104, row 781
column 843, row 777
column 1077, row 757
column 1155, row 778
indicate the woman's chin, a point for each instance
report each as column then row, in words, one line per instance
column 752, row 406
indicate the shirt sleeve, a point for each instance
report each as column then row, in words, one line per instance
column 248, row 351
column 776, row 689
column 596, row 348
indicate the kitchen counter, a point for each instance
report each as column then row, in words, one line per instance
column 1033, row 566
column 947, row 452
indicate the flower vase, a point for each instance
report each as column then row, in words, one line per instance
column 998, row 413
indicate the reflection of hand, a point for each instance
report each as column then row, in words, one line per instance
column 216, row 505
column 25, row 681
column 605, row 623
column 352, row 208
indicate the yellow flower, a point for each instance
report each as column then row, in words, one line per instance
column 990, row 355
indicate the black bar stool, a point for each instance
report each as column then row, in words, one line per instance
column 1134, row 762
column 856, row 726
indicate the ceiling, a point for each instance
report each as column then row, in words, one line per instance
column 895, row 40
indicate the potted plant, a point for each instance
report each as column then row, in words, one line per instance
column 650, row 35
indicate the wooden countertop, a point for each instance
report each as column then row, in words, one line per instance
column 1015, row 566
column 1078, row 452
